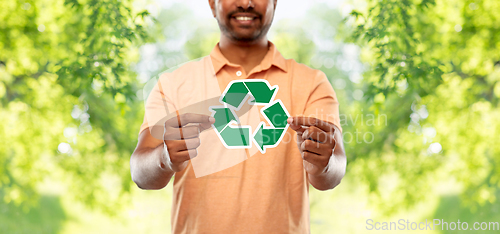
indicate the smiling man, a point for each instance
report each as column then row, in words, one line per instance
column 264, row 193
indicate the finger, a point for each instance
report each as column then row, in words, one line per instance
column 183, row 156
column 181, row 145
column 189, row 153
column 192, row 143
column 181, row 120
column 317, row 160
column 205, row 126
column 190, row 132
column 317, row 134
column 316, row 147
column 181, row 133
column 298, row 128
column 311, row 121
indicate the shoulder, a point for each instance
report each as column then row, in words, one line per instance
column 186, row 74
column 303, row 70
column 186, row 68
column 302, row 73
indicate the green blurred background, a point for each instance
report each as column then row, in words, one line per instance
column 417, row 80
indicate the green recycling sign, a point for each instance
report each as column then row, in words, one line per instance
column 233, row 98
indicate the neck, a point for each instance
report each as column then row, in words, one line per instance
column 246, row 54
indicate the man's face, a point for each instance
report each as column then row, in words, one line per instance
column 244, row 20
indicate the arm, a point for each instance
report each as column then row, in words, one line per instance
column 319, row 137
column 154, row 161
column 146, row 163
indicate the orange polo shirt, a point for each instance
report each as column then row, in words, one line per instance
column 241, row 190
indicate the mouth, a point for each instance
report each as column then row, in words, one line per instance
column 244, row 19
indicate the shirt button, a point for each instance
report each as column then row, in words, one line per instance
column 238, row 73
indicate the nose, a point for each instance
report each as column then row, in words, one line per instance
column 245, row 4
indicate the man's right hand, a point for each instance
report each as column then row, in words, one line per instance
column 182, row 141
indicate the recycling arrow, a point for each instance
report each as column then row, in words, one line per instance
column 234, row 137
column 223, row 116
column 238, row 91
column 276, row 114
column 233, row 98
column 260, row 91
column 267, row 136
column 235, row 95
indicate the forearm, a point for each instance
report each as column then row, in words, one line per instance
column 146, row 171
column 332, row 175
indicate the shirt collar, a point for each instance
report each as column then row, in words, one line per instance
column 272, row 58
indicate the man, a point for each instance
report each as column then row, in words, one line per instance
column 264, row 193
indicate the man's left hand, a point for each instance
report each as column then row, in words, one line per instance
column 316, row 142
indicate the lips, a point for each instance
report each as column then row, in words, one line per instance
column 243, row 18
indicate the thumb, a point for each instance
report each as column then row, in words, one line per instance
column 298, row 128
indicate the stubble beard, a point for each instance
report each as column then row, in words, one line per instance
column 258, row 34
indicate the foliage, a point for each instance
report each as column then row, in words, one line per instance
column 434, row 69
column 68, row 97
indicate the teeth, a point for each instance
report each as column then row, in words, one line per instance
column 244, row 18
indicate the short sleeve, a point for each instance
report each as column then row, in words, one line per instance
column 158, row 106
column 322, row 102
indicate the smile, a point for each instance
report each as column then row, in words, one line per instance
column 244, row 18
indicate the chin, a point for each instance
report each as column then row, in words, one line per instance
column 245, row 37
column 245, row 40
